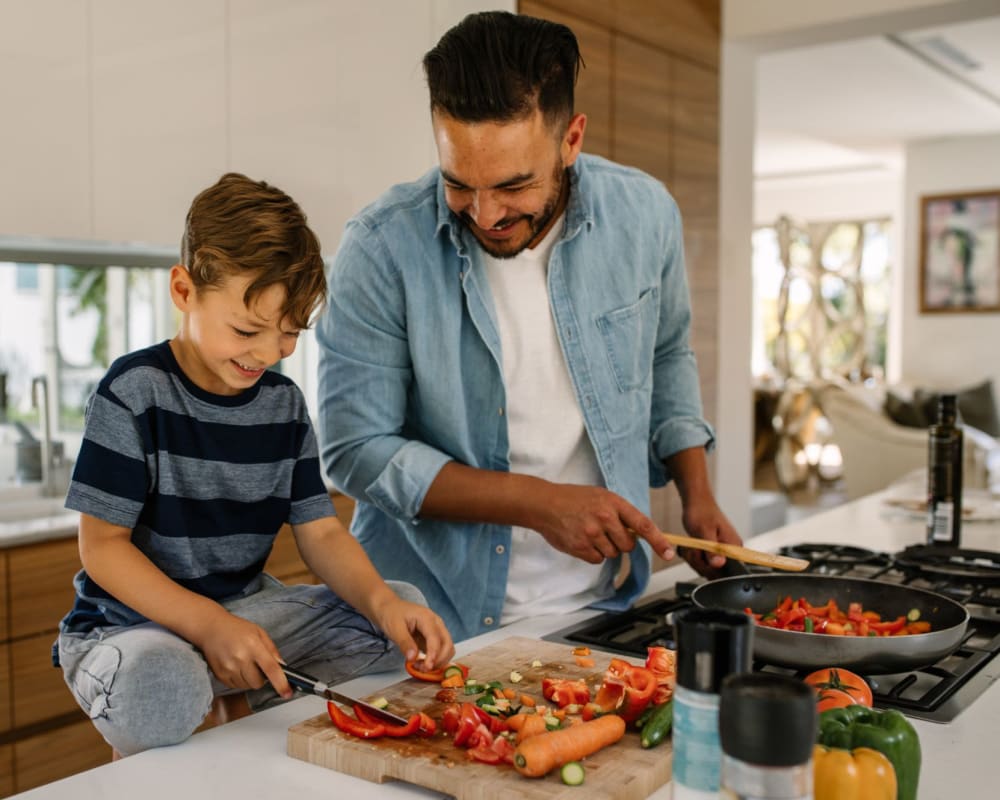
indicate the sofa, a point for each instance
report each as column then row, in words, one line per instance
column 876, row 449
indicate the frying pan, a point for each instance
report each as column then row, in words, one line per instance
column 872, row 654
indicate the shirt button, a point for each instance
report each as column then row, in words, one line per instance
column 487, row 620
column 500, row 549
column 500, row 411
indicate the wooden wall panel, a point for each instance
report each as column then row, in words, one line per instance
column 4, row 602
column 597, row 12
column 6, row 689
column 642, row 109
column 688, row 28
column 58, row 754
column 6, row 770
column 41, row 585
column 593, row 90
column 695, row 156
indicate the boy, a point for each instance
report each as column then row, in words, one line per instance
column 193, row 457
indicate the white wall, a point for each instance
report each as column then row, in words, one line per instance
column 946, row 350
column 115, row 113
column 831, row 197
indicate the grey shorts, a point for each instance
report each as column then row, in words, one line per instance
column 143, row 686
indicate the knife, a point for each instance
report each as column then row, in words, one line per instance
column 310, row 685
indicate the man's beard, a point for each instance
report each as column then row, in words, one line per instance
column 536, row 223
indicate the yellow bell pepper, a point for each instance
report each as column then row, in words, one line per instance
column 859, row 774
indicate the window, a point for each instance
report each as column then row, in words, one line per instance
column 820, row 313
column 67, row 310
column 66, row 324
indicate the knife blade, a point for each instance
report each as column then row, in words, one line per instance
column 310, row 685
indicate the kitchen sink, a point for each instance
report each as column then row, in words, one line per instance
column 25, row 515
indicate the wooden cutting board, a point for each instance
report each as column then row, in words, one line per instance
column 623, row 771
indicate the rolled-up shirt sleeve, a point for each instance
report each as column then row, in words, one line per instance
column 676, row 421
column 364, row 376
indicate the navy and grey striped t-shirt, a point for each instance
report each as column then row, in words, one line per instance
column 204, row 481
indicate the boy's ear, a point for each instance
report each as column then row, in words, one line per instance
column 182, row 288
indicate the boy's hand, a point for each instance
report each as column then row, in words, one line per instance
column 241, row 654
column 416, row 629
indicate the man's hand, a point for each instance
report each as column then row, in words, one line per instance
column 705, row 520
column 241, row 654
column 593, row 524
column 416, row 629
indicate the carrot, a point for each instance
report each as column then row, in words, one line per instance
column 510, row 694
column 453, row 682
column 534, row 725
column 516, row 722
column 527, row 700
column 584, row 662
column 542, row 753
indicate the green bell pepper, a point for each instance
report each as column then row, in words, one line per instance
column 887, row 731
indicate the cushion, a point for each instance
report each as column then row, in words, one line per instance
column 976, row 407
column 906, row 411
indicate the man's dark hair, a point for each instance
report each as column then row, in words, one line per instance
column 497, row 66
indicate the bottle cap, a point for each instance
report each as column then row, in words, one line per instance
column 767, row 719
column 711, row 644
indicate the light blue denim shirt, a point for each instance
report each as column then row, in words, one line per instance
column 410, row 372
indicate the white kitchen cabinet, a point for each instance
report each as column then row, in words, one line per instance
column 45, row 135
column 159, row 113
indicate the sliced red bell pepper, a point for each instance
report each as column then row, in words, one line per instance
column 411, row 727
column 430, row 675
column 626, row 689
column 467, row 723
column 564, row 692
column 348, row 724
column 888, row 628
column 428, row 727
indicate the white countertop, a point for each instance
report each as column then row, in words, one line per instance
column 246, row 758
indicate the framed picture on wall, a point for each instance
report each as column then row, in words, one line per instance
column 960, row 252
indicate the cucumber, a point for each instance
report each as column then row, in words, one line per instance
column 380, row 702
column 572, row 773
column 453, row 669
column 658, row 725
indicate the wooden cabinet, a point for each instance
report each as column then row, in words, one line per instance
column 44, row 735
column 57, row 754
column 41, row 585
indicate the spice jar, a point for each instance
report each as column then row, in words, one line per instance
column 767, row 728
column 712, row 643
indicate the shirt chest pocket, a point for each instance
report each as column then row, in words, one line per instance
column 629, row 335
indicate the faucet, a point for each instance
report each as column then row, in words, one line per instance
column 48, row 459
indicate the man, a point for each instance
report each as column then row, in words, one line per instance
column 505, row 367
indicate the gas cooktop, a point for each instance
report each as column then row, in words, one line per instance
column 937, row 693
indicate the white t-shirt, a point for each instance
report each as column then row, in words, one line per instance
column 546, row 433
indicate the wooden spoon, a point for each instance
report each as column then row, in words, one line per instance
column 738, row 552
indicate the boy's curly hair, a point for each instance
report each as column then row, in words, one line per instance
column 240, row 226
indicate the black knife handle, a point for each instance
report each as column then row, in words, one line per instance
column 300, row 680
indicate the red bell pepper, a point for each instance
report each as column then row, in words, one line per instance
column 467, row 723
column 564, row 692
column 348, row 724
column 626, row 689
column 411, row 727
